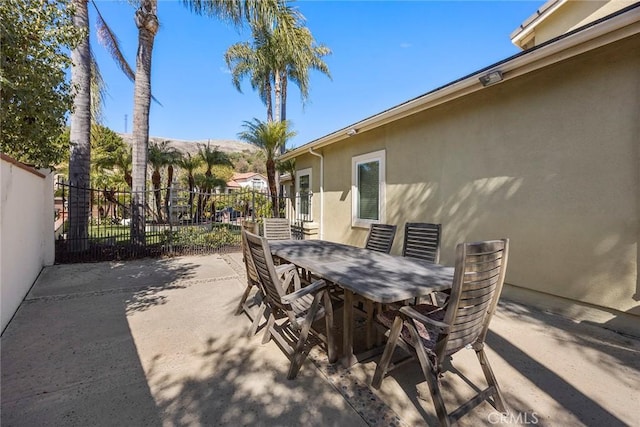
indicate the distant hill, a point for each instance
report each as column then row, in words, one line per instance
column 225, row 145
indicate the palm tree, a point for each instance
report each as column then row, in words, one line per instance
column 80, row 155
column 211, row 157
column 270, row 137
column 190, row 164
column 89, row 88
column 258, row 59
column 282, row 49
column 172, row 158
column 205, row 183
column 160, row 155
column 288, row 166
column 304, row 56
column 245, row 61
column 146, row 20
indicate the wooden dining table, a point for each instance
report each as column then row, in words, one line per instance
column 379, row 277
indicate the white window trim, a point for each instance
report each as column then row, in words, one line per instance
column 379, row 156
column 299, row 173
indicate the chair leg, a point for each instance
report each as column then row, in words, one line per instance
column 491, row 381
column 256, row 322
column 299, row 354
column 267, row 330
column 431, row 375
column 243, row 299
column 383, row 365
column 434, row 299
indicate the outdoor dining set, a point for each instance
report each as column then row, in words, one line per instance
column 429, row 310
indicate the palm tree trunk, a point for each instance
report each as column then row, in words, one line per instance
column 157, row 193
column 167, row 197
column 80, row 155
column 277, row 87
column 147, row 23
column 271, row 178
column 268, row 100
column 283, row 96
column 283, row 104
column 192, row 185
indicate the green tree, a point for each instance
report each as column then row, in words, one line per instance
column 282, row 49
column 189, row 164
column 146, row 20
column 110, row 164
column 288, row 166
column 303, row 55
column 207, row 183
column 270, row 137
column 245, row 60
column 35, row 37
column 161, row 155
column 213, row 157
column 110, row 159
column 249, row 161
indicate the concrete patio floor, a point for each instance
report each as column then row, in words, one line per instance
column 154, row 342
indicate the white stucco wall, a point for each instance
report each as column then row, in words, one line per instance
column 26, row 232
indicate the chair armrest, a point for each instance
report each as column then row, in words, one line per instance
column 290, row 279
column 283, row 268
column 412, row 313
column 316, row 286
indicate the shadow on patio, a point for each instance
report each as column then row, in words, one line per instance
column 154, row 342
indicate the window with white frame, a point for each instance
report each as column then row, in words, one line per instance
column 303, row 194
column 367, row 189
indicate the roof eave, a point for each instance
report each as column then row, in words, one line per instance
column 534, row 20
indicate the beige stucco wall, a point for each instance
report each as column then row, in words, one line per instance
column 575, row 14
column 550, row 159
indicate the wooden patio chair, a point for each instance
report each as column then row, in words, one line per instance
column 380, row 238
column 433, row 334
column 276, row 229
column 422, row 241
column 295, row 311
column 254, row 281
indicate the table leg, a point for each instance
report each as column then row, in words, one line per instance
column 348, row 359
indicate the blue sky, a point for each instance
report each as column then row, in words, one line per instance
column 384, row 53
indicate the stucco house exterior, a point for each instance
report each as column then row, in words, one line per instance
column 247, row 180
column 542, row 147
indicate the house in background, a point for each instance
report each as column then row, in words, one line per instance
column 542, row 147
column 247, row 181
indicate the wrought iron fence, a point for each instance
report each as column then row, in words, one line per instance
column 96, row 224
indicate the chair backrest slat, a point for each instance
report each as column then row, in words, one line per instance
column 265, row 269
column 380, row 238
column 252, row 275
column 477, row 284
column 276, row 229
column 422, row 241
